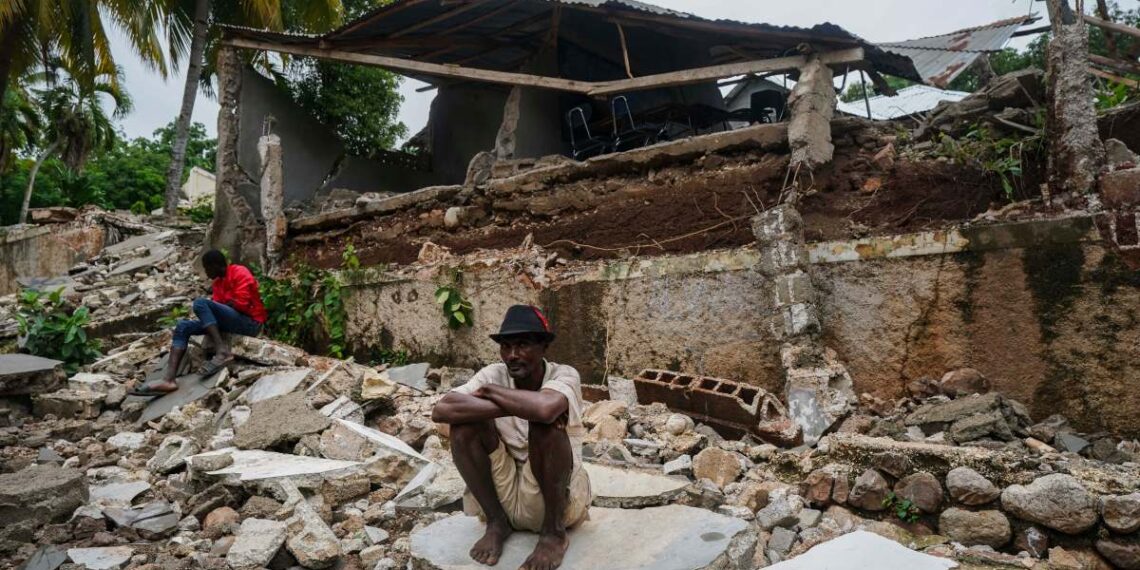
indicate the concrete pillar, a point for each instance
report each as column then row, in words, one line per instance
column 505, row 140
column 1076, row 154
column 272, row 197
column 812, row 104
column 817, row 387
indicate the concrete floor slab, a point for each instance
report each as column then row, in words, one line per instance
column 276, row 384
column 631, row 488
column 191, row 387
column 672, row 537
column 861, row 549
column 255, row 464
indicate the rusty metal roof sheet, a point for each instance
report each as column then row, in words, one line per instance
column 939, row 59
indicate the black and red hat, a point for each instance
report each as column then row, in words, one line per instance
column 524, row 320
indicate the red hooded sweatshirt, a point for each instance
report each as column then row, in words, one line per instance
column 239, row 289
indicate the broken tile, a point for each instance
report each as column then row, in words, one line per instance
column 101, row 558
column 630, row 488
column 118, row 494
column 276, row 384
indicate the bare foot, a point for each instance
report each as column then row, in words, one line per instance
column 166, row 386
column 548, row 553
column 488, row 549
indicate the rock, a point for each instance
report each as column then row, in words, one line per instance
column 783, row 510
column 631, row 489
column 682, row 465
column 113, row 390
column 264, row 429
column 922, row 489
column 23, row 374
column 47, row 557
column 963, row 382
column 264, row 351
column 348, row 441
column 937, row 416
column 869, row 491
column 978, row 426
column 717, row 465
column 101, row 558
column 375, row 385
column 68, row 404
column 681, row 537
column 809, row 518
column 1066, row 441
column 413, row 376
column 1057, row 501
column 1061, row 559
column 969, row 487
column 155, row 521
column 221, row 521
column 38, row 495
column 1039, row 446
column 1121, row 512
column 1116, row 154
column 310, row 540
column 990, row 528
column 1120, row 189
column 1121, row 552
column 1047, row 429
column 609, row 429
column 860, row 550
column 172, row 454
column 678, row 424
column 818, row 487
column 119, row 494
column 276, row 384
column 781, row 542
column 127, row 441
column 595, row 412
column 256, row 543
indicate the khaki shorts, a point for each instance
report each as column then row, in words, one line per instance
column 521, row 496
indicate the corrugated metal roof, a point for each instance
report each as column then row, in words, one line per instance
column 910, row 101
column 939, row 59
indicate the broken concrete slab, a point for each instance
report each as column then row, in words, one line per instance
column 191, row 387
column 172, row 454
column 343, row 408
column 672, row 536
column 155, row 520
column 265, row 352
column 38, row 495
column 413, row 376
column 257, row 465
column 22, row 374
column 630, row 488
column 862, row 549
column 266, row 428
column 348, row 441
column 117, row 494
column 47, row 557
column 101, row 558
column 256, row 543
column 276, row 384
column 68, row 403
column 310, row 539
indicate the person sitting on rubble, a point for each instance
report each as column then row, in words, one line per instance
column 235, row 308
column 516, row 436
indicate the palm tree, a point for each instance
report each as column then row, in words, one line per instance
column 33, row 31
column 77, row 124
column 20, row 123
column 192, row 18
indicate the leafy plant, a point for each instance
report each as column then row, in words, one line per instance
column 1001, row 157
column 1111, row 94
column 201, row 212
column 456, row 309
column 904, row 508
column 176, row 314
column 390, row 357
column 306, row 308
column 54, row 332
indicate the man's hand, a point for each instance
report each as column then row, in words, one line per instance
column 543, row 406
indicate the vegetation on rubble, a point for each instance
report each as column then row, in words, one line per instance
column 53, row 331
column 169, row 320
column 1003, row 157
column 904, row 509
column 391, row 357
column 201, row 212
column 456, row 309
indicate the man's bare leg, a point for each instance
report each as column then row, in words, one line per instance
column 168, row 384
column 471, row 448
column 552, row 462
column 220, row 347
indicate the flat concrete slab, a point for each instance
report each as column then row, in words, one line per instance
column 191, row 387
column 673, row 537
column 631, row 488
column 255, row 464
column 27, row 374
column 862, row 549
column 276, row 384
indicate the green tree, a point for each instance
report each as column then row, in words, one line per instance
column 20, row 124
column 360, row 103
column 854, row 91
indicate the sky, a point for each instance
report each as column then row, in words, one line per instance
column 157, row 101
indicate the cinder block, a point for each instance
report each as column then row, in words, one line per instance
column 800, row 319
column 794, row 288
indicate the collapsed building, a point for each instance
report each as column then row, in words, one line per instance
column 787, row 329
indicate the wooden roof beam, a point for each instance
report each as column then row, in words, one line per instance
column 473, row 4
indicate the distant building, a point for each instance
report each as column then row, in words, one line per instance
column 198, row 186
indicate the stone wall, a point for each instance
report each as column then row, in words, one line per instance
column 45, row 251
column 1040, row 308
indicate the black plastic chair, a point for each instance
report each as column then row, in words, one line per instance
column 633, row 137
column 767, row 106
column 583, row 148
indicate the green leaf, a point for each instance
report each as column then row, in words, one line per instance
column 441, row 295
column 460, row 317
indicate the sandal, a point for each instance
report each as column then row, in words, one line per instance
column 215, row 364
column 147, row 392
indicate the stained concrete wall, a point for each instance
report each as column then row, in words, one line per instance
column 45, row 251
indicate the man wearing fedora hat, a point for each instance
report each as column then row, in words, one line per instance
column 516, row 436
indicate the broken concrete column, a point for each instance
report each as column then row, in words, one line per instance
column 1075, row 150
column 505, row 140
column 272, row 197
column 812, row 103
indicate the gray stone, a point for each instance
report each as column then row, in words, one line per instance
column 38, row 495
column 809, row 518
column 990, row 424
column 413, row 376
column 256, row 543
column 629, row 488
column 191, row 388
column 682, row 465
column 22, row 374
column 264, row 351
column 118, row 494
column 435, row 486
column 1121, row 512
column 623, row 389
column 782, row 541
column 937, row 416
column 101, row 558
column 127, row 441
column 922, row 489
column 1057, row 501
column 67, row 403
column 48, row 455
column 970, row 528
column 266, row 428
column 1066, row 441
column 672, row 536
column 717, row 465
column 1121, row 552
column 969, row 487
column 172, row 454
column 155, row 521
column 860, row 550
column 310, row 540
column 47, row 557
column 375, row 535
column 276, row 384
column 869, row 491
column 1117, row 153
column 782, row 510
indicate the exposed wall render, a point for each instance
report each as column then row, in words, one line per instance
column 1075, row 150
column 31, row 252
column 812, row 104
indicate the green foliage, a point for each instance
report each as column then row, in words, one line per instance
column 1111, row 94
column 1002, row 157
column 306, row 308
column 361, row 104
column 904, row 509
column 854, row 91
column 53, row 332
column 176, row 314
column 456, row 309
column 349, row 260
column 390, row 357
column 201, row 212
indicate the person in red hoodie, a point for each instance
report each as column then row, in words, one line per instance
column 236, row 308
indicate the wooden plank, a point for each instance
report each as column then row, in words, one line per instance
column 624, row 51
column 400, row 65
column 1115, row 64
column 1113, row 26
column 703, row 74
column 440, row 18
column 1115, row 78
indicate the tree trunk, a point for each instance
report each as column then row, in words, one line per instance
column 7, row 50
column 32, row 180
column 189, row 92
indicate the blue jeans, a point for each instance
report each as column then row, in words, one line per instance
column 227, row 318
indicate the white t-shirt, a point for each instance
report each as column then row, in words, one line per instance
column 513, row 430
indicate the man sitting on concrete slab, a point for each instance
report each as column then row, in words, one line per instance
column 516, row 436
column 236, row 308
